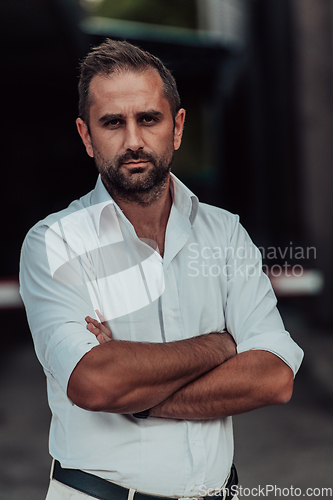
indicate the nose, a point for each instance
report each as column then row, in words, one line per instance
column 133, row 137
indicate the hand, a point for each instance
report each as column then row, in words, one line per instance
column 100, row 330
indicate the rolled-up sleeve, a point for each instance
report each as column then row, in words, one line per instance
column 55, row 310
column 251, row 313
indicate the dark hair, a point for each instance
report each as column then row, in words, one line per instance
column 113, row 56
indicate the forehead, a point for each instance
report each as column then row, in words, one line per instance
column 128, row 90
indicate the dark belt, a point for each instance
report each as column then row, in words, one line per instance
column 98, row 487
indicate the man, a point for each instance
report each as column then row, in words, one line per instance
column 150, row 313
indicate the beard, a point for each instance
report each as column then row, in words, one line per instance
column 141, row 185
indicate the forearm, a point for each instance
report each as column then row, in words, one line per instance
column 126, row 377
column 245, row 382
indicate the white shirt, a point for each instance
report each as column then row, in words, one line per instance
column 88, row 258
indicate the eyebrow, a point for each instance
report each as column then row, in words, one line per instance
column 110, row 116
column 119, row 116
column 152, row 112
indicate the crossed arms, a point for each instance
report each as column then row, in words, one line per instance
column 197, row 378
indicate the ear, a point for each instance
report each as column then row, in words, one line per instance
column 179, row 126
column 85, row 136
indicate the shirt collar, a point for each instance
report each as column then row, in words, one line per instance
column 183, row 200
column 100, row 199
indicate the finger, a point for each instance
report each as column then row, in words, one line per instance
column 94, row 321
column 100, row 315
column 88, row 319
column 99, row 325
column 96, row 331
column 106, row 330
column 92, row 326
column 100, row 335
column 96, row 328
column 93, row 329
column 103, row 327
column 101, row 339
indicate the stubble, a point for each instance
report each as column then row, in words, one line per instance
column 142, row 185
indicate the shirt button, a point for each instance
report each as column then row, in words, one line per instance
column 170, row 312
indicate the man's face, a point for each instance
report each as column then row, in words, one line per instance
column 132, row 133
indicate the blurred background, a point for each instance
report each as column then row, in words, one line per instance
column 256, row 79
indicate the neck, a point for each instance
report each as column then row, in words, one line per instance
column 149, row 216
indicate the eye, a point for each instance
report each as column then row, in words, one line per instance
column 113, row 123
column 149, row 119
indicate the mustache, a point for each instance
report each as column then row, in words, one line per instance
column 135, row 155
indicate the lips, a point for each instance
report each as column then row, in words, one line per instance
column 135, row 160
column 136, row 163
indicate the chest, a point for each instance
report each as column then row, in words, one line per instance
column 184, row 298
column 155, row 239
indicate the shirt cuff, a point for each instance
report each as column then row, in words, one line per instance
column 280, row 344
column 68, row 344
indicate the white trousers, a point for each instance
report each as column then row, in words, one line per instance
column 59, row 491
